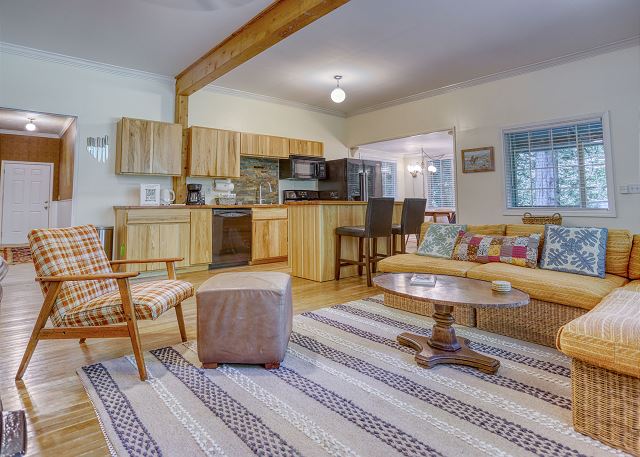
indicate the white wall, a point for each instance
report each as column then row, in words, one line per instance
column 99, row 98
column 608, row 82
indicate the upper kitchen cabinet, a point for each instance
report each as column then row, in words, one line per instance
column 148, row 147
column 252, row 144
column 306, row 148
column 213, row 153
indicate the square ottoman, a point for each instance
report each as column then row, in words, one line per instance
column 244, row 317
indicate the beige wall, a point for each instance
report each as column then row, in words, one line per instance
column 608, row 82
column 230, row 112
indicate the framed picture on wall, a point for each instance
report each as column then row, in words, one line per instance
column 478, row 160
column 149, row 194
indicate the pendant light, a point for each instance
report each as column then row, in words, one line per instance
column 337, row 94
column 30, row 125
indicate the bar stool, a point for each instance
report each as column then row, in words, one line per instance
column 410, row 223
column 378, row 221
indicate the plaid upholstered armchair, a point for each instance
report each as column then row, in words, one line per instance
column 86, row 296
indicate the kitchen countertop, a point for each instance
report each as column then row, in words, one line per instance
column 255, row 205
column 328, row 202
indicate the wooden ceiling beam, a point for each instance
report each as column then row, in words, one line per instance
column 273, row 24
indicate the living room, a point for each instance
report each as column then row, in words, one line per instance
column 291, row 172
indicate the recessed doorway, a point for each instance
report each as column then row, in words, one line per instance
column 37, row 155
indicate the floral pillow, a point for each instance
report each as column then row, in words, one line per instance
column 514, row 250
column 440, row 239
column 580, row 250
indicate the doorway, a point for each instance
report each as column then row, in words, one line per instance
column 421, row 166
column 26, row 199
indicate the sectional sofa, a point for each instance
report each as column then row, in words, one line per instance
column 594, row 321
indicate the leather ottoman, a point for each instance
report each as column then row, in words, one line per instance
column 244, row 317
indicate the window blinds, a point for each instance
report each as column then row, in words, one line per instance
column 389, row 179
column 558, row 166
column 440, row 186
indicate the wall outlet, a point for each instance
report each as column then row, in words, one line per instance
column 629, row 189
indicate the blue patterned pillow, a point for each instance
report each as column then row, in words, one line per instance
column 580, row 250
column 440, row 239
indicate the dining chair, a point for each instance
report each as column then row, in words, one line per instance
column 410, row 222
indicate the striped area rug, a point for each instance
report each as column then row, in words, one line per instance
column 346, row 388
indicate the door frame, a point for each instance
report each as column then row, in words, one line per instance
column 2, row 171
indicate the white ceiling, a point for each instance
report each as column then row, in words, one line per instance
column 433, row 144
column 386, row 50
column 158, row 36
column 46, row 124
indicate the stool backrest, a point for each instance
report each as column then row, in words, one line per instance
column 378, row 220
column 412, row 215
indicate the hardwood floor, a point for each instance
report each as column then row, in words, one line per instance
column 61, row 420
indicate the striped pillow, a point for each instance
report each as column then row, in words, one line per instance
column 514, row 250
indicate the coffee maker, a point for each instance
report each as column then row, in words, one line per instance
column 195, row 195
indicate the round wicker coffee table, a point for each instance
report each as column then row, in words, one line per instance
column 443, row 346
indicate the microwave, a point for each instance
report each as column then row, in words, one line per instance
column 302, row 167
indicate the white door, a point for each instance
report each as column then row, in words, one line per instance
column 26, row 191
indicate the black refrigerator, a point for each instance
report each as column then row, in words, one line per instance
column 353, row 179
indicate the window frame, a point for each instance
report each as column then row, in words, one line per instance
column 395, row 174
column 565, row 211
column 427, row 185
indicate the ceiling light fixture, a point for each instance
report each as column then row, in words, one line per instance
column 337, row 94
column 424, row 164
column 30, row 125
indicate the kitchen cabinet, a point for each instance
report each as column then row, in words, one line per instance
column 153, row 233
column 213, row 153
column 148, row 147
column 252, row 144
column 306, row 148
column 201, row 236
column 269, row 242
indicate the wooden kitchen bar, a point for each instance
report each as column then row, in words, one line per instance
column 312, row 226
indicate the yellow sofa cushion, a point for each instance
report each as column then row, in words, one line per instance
column 607, row 336
column 634, row 259
column 551, row 286
column 619, row 244
column 412, row 263
column 633, row 285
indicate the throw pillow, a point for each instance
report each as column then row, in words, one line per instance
column 514, row 250
column 580, row 250
column 440, row 239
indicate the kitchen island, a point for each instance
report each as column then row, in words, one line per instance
column 312, row 226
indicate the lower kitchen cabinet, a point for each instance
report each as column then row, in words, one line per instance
column 201, row 236
column 269, row 235
column 151, row 234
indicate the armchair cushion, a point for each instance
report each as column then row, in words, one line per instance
column 150, row 300
column 71, row 251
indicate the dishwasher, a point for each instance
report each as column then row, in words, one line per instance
column 231, row 240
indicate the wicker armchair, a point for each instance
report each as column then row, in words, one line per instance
column 85, row 296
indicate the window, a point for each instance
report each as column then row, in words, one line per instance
column 440, row 186
column 389, row 179
column 561, row 166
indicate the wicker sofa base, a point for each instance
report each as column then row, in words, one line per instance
column 464, row 315
column 606, row 405
column 538, row 322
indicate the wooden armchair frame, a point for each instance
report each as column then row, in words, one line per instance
column 127, row 329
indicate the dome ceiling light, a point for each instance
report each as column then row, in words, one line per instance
column 338, row 95
column 30, row 125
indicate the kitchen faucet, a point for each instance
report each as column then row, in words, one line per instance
column 260, row 197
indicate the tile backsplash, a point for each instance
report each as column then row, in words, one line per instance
column 254, row 171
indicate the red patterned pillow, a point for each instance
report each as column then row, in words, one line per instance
column 515, row 250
